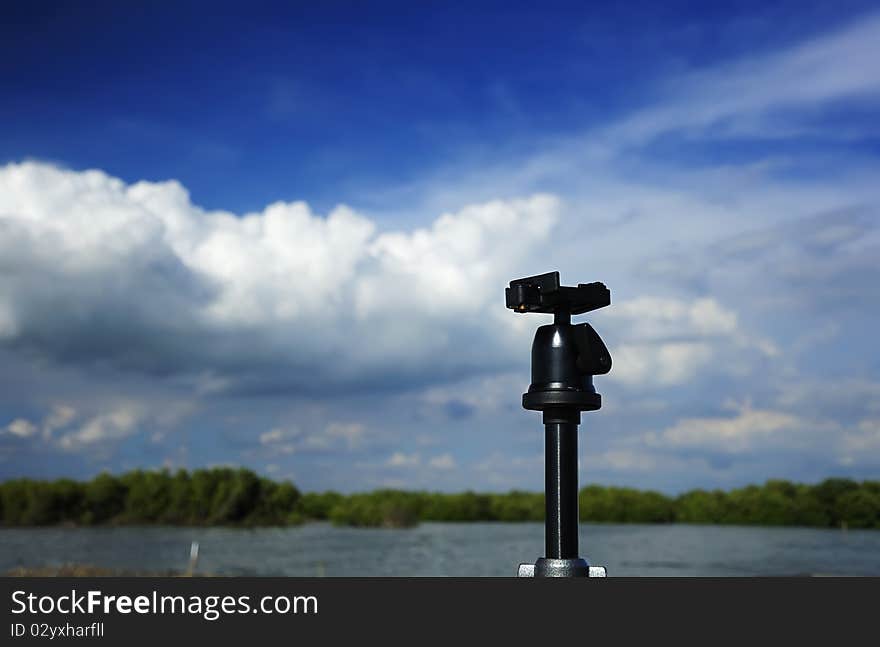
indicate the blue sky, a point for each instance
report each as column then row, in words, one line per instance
column 278, row 236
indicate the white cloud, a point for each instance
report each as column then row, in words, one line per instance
column 333, row 436
column 862, row 444
column 281, row 440
column 104, row 269
column 59, row 417
column 22, row 428
column 484, row 394
column 272, row 436
column 650, row 318
column 741, row 97
column 639, row 458
column 851, row 400
column 106, row 427
column 442, row 462
column 351, row 432
column 506, row 471
column 667, row 340
column 400, row 459
column 625, row 460
column 732, row 434
column 663, row 364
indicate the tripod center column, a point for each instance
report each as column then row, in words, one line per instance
column 561, row 483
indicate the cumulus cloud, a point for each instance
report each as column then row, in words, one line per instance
column 667, row 341
column 732, row 434
column 478, row 395
column 814, row 260
column 751, row 432
column 628, row 460
column 849, row 398
column 138, row 277
column 58, row 417
column 442, row 462
column 22, row 428
column 106, row 427
column 401, row 459
column 350, row 432
column 503, row 470
column 662, row 364
column 654, row 317
column 274, row 436
column 333, row 436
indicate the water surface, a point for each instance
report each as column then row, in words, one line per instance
column 439, row 549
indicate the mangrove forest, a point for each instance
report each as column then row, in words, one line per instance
column 239, row 497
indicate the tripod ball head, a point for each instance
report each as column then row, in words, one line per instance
column 565, row 357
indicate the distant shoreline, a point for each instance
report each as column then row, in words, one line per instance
column 307, row 522
column 238, row 497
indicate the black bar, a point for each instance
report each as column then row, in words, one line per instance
column 494, row 610
column 561, row 490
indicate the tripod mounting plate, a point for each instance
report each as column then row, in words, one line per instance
column 543, row 293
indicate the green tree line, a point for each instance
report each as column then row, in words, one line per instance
column 226, row 496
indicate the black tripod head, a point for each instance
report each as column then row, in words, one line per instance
column 565, row 357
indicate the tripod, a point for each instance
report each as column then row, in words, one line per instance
column 565, row 357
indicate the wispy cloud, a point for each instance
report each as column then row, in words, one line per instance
column 745, row 96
